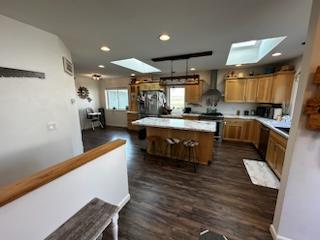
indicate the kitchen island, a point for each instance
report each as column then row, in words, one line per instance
column 159, row 129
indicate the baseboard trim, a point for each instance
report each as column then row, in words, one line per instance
column 124, row 201
column 274, row 234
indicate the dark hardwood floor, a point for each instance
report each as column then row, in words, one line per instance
column 174, row 203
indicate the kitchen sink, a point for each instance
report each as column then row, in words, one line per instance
column 284, row 129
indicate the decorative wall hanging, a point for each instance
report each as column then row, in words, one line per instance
column 83, row 93
column 312, row 108
column 11, row 72
column 68, row 66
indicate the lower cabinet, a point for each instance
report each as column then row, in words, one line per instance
column 256, row 130
column 132, row 117
column 237, row 130
column 190, row 117
column 276, row 152
column 249, row 131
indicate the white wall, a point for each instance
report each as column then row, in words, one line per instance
column 297, row 211
column 83, row 104
column 28, row 104
column 117, row 118
column 40, row 212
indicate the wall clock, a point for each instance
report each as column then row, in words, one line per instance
column 83, row 93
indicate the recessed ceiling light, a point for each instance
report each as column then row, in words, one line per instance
column 238, row 65
column 105, row 49
column 276, row 54
column 136, row 65
column 192, row 69
column 164, row 37
column 101, row 66
column 133, row 75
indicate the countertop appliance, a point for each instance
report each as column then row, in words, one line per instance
column 187, row 110
column 264, row 139
column 151, row 102
column 218, row 118
column 269, row 111
column 263, row 111
column 276, row 112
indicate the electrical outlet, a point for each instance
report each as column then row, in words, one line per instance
column 52, row 126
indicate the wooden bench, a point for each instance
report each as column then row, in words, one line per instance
column 89, row 222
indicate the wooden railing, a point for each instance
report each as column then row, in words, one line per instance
column 19, row 188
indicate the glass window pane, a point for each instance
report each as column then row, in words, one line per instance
column 177, row 98
column 112, row 99
column 117, row 98
column 123, row 98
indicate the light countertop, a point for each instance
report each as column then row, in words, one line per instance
column 180, row 124
column 180, row 115
column 270, row 123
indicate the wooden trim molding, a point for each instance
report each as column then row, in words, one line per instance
column 23, row 186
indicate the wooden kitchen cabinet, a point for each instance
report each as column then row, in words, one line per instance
column 237, row 130
column 130, row 118
column 251, row 90
column 268, row 88
column 192, row 117
column 282, row 87
column 193, row 93
column 264, row 89
column 234, row 90
column 256, row 130
column 134, row 90
column 276, row 152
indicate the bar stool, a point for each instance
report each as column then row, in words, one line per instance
column 171, row 143
column 191, row 145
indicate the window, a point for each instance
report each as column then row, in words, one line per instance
column 177, row 98
column 117, row 99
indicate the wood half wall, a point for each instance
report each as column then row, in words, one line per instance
column 21, row 187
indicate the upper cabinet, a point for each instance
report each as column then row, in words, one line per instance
column 250, row 94
column 234, row 90
column 264, row 89
column 282, row 87
column 193, row 93
column 274, row 88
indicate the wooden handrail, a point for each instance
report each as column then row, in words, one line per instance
column 19, row 188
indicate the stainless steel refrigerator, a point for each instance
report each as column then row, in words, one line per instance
column 150, row 103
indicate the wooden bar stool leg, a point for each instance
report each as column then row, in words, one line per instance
column 194, row 160
column 115, row 227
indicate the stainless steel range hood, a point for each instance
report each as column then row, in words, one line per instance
column 213, row 91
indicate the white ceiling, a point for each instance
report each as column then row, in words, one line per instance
column 131, row 28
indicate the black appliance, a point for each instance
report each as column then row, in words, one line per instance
column 267, row 111
column 263, row 111
column 263, row 144
column 102, row 117
column 187, row 110
column 218, row 118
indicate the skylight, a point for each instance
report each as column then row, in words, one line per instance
column 252, row 51
column 136, row 65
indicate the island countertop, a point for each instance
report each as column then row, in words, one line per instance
column 181, row 124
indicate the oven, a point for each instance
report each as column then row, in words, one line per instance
column 218, row 118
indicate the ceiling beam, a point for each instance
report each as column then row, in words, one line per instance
column 183, row 56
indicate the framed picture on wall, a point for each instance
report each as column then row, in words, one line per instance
column 68, row 66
